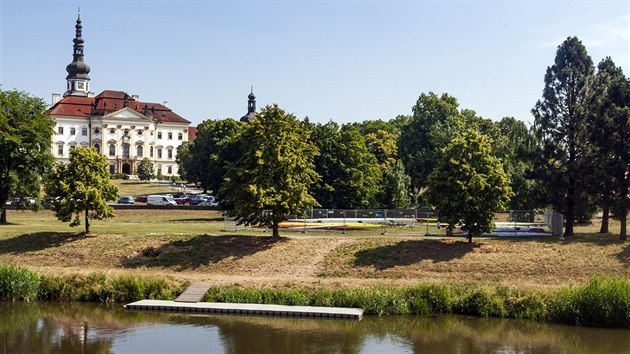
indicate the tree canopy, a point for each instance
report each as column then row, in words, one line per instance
column 351, row 174
column 272, row 177
column 25, row 138
column 81, row 186
column 469, row 184
column 560, row 119
column 146, row 171
column 609, row 132
column 205, row 160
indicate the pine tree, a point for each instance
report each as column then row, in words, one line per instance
column 560, row 122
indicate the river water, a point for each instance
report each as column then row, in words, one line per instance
column 92, row 328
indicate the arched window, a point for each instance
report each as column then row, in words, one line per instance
column 125, row 152
column 97, row 146
column 112, row 150
column 151, row 151
column 169, row 169
column 139, row 150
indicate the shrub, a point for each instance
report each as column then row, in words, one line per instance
column 18, row 284
column 601, row 302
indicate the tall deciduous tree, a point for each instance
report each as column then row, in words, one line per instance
column 609, row 128
column 25, row 137
column 81, row 186
column 213, row 149
column 560, row 119
column 351, row 176
column 185, row 165
column 469, row 184
column 425, row 134
column 396, row 187
column 146, row 171
column 272, row 177
column 516, row 146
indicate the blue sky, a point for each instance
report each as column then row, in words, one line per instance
column 345, row 61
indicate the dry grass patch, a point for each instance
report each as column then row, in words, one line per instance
column 190, row 245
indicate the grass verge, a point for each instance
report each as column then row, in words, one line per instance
column 600, row 302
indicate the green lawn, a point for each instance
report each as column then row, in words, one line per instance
column 136, row 188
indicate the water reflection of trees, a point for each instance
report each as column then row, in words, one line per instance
column 81, row 328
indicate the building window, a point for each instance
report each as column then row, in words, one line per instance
column 72, row 147
column 112, row 150
column 60, row 149
column 169, row 169
column 180, row 136
column 73, row 131
column 139, row 150
column 170, row 136
column 84, row 131
column 159, row 153
column 60, row 130
column 125, row 148
column 151, row 151
column 159, row 135
column 158, row 169
column 97, row 147
column 170, row 153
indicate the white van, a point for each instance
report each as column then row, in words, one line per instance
column 160, row 200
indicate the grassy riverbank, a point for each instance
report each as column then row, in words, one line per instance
column 601, row 302
column 155, row 253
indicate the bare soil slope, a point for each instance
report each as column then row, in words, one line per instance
column 154, row 247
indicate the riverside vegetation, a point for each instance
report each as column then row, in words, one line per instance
column 600, row 302
column 157, row 254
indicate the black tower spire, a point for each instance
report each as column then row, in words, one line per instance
column 251, row 102
column 251, row 107
column 77, row 70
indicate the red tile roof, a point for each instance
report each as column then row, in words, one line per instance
column 192, row 134
column 110, row 101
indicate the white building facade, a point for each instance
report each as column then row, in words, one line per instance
column 116, row 124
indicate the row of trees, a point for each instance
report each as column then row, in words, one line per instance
column 575, row 157
column 582, row 126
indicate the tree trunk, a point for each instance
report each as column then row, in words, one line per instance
column 3, row 215
column 623, row 234
column 276, row 232
column 605, row 215
column 87, row 222
column 469, row 237
column 568, row 231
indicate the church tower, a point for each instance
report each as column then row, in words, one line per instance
column 78, row 81
column 251, row 107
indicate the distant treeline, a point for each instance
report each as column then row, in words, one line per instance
column 574, row 158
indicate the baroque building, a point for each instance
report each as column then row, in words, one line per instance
column 118, row 125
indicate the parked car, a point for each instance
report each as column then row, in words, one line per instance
column 28, row 201
column 208, row 202
column 126, row 200
column 141, row 199
column 182, row 200
column 198, row 201
column 160, row 200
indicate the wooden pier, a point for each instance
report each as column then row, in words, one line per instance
column 246, row 309
column 194, row 293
